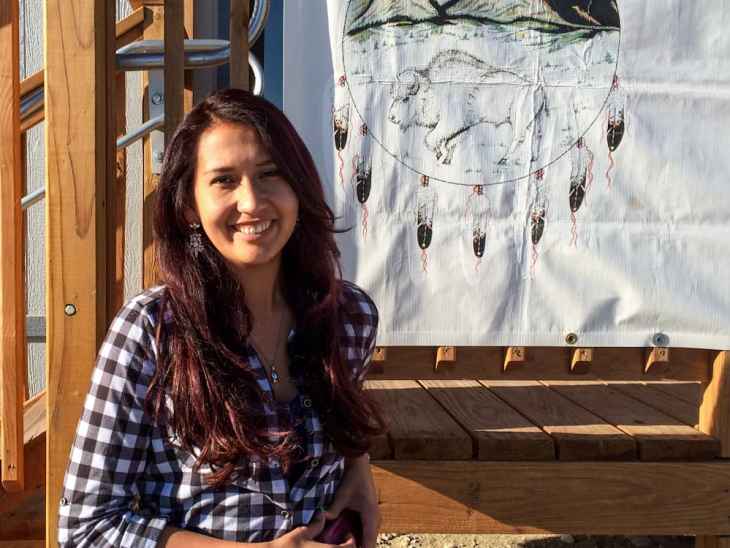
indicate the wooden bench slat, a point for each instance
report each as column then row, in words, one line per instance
column 690, row 392
column 658, row 436
column 658, row 399
column 500, row 432
column 419, row 426
column 578, row 434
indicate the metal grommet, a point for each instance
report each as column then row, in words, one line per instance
column 660, row 339
column 285, row 514
column 69, row 310
column 307, row 402
column 571, row 338
column 64, row 501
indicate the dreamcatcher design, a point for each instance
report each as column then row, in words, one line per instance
column 415, row 103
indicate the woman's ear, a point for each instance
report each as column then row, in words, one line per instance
column 191, row 216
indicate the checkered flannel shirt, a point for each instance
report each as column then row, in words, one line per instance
column 126, row 479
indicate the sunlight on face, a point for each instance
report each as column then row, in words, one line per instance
column 245, row 206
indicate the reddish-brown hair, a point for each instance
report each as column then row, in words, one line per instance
column 201, row 366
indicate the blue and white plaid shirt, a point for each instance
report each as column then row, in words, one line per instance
column 126, row 479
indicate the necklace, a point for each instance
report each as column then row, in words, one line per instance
column 270, row 365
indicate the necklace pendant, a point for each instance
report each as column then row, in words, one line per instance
column 274, row 376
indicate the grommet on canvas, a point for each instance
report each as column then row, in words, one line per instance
column 660, row 339
column 571, row 338
column 69, row 310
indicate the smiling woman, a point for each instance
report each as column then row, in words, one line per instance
column 227, row 403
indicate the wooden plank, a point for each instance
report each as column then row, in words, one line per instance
column 238, row 35
column 416, row 362
column 23, row 513
column 117, row 192
column 712, row 542
column 12, row 236
column 418, row 427
column 602, row 498
column 658, row 436
column 22, row 543
column 674, row 407
column 153, row 30
column 578, row 434
column 690, row 392
column 79, row 54
column 174, row 23
column 499, row 431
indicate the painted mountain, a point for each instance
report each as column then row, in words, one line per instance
column 549, row 16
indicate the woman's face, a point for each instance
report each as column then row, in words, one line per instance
column 245, row 206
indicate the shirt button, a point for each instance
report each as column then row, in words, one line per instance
column 64, row 501
column 307, row 402
column 314, row 463
column 285, row 514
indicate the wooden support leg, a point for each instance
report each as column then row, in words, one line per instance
column 715, row 420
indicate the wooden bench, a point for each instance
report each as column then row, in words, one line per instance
column 477, row 447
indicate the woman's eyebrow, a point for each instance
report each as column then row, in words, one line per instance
column 221, row 169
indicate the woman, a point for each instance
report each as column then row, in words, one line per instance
column 226, row 404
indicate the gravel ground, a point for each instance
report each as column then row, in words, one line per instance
column 394, row 540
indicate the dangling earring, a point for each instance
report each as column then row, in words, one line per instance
column 195, row 240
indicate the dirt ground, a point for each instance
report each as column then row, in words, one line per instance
column 393, row 540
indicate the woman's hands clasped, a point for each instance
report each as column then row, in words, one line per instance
column 357, row 492
column 303, row 537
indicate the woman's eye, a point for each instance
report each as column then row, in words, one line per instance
column 269, row 174
column 223, row 179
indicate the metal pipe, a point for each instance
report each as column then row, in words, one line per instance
column 257, row 22
column 32, row 198
column 31, row 102
column 149, row 54
column 150, row 125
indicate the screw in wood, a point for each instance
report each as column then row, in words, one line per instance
column 69, row 310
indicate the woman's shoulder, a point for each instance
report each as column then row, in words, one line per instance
column 142, row 308
column 135, row 323
column 360, row 314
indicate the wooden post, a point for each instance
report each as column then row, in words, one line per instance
column 12, row 271
column 238, row 36
column 174, row 22
column 79, row 55
column 715, row 421
column 153, row 30
column 117, row 192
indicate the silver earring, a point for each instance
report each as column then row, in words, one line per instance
column 195, row 240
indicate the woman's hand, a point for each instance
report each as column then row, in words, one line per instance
column 302, row 537
column 357, row 492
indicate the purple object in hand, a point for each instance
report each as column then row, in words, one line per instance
column 337, row 531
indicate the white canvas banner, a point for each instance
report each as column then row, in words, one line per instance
column 512, row 171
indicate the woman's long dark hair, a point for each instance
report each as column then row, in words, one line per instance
column 217, row 406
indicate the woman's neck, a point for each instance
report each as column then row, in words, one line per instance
column 262, row 287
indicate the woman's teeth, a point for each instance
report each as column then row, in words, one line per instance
column 254, row 229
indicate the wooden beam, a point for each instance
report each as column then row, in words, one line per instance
column 79, row 55
column 238, row 36
column 12, row 234
column 657, row 359
column 602, row 498
column 23, row 512
column 174, row 22
column 487, row 362
column 154, row 29
column 581, row 359
column 514, row 356
column 116, row 192
column 715, row 406
column 445, row 355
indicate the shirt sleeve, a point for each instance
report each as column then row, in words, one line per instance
column 360, row 330
column 101, row 492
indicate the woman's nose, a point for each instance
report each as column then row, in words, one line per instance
column 247, row 196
